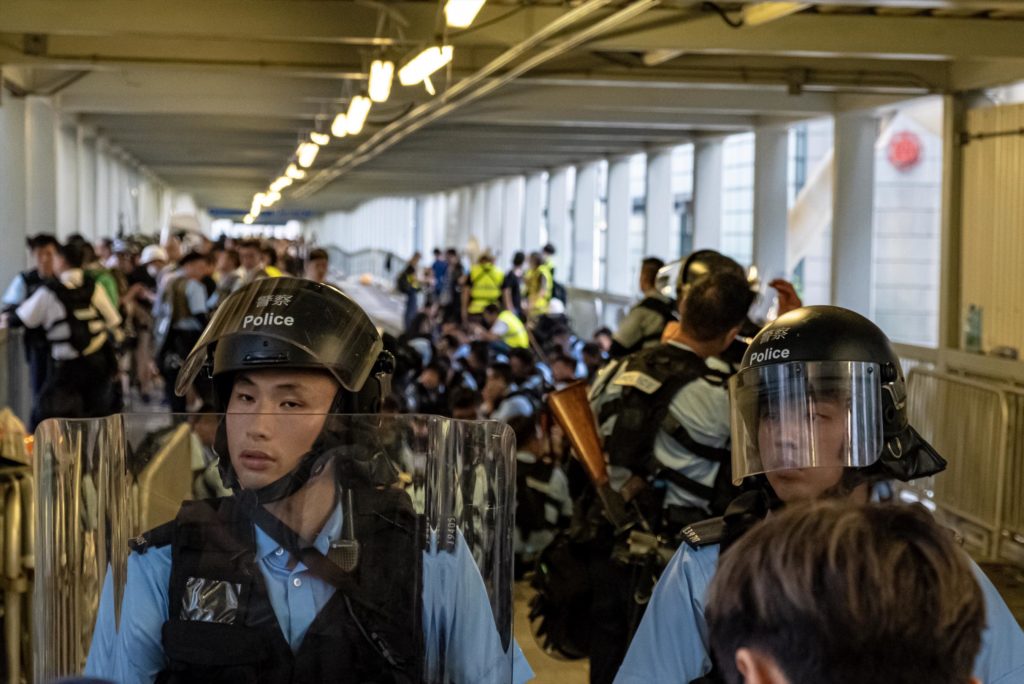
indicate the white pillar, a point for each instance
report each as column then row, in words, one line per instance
column 495, row 211
column 707, row 194
column 532, row 211
column 619, row 211
column 853, row 210
column 12, row 188
column 559, row 230
column 86, row 144
column 67, row 181
column 658, row 238
column 478, row 215
column 512, row 223
column 149, row 207
column 584, row 273
column 114, row 183
column 102, row 196
column 771, row 213
column 40, row 166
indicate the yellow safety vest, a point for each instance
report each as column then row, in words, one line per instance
column 516, row 336
column 539, row 300
column 485, row 287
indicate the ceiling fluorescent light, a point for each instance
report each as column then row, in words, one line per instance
column 381, row 75
column 339, row 129
column 256, row 208
column 281, row 183
column 295, row 172
column 358, row 110
column 764, row 12
column 461, row 13
column 320, row 138
column 270, row 198
column 424, row 64
column 307, row 154
column 249, row 218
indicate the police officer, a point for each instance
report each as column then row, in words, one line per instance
column 664, row 416
column 309, row 571
column 818, row 410
column 643, row 325
column 79, row 322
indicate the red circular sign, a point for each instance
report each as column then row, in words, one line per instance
column 904, row 150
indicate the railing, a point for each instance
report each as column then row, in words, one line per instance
column 380, row 264
column 971, row 409
column 589, row 310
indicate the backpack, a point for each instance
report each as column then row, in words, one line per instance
column 79, row 312
column 559, row 292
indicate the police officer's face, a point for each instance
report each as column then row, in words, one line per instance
column 273, row 418
column 801, row 483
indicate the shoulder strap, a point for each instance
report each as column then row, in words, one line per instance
column 704, row 533
column 154, row 538
column 658, row 306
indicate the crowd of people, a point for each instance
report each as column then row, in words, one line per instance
column 678, row 565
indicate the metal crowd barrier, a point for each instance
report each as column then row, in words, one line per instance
column 15, row 387
column 17, row 495
column 379, row 263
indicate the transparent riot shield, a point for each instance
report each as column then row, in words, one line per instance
column 387, row 558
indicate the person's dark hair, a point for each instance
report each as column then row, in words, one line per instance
column 480, row 350
column 437, row 252
column 464, row 398
column 843, row 593
column 73, row 254
column 649, row 268
column 518, row 259
column 271, row 254
column 492, row 309
column 563, row 358
column 714, row 305
column 591, row 348
column 248, row 243
column 451, row 252
column 549, row 249
column 522, row 354
column 503, row 371
column 42, row 240
column 451, row 341
column 317, row 255
column 524, row 428
column 603, row 331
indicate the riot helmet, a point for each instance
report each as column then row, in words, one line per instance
column 292, row 324
column 822, row 387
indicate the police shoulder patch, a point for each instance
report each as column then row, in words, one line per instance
column 704, row 533
column 641, row 381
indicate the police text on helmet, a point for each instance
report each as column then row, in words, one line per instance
column 769, row 354
column 267, row 319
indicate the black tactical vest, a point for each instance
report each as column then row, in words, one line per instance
column 222, row 626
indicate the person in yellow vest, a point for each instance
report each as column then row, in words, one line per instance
column 504, row 326
column 482, row 287
column 539, row 285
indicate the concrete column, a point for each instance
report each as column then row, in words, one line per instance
column 584, row 273
column 532, row 211
column 950, row 330
column 512, row 221
column 86, row 147
column 115, row 181
column 13, row 257
column 102, row 196
column 494, row 200
column 771, row 212
column 853, row 210
column 619, row 211
column 559, row 230
column 67, row 181
column 707, row 194
column 149, row 207
column 40, row 166
column 478, row 215
column 658, row 236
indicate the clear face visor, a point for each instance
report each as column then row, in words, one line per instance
column 805, row 415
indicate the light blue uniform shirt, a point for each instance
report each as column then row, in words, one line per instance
column 671, row 644
column 16, row 292
column 456, row 612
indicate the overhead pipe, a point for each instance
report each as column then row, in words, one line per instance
column 447, row 103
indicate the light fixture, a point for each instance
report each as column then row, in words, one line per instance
column 269, row 198
column 249, row 218
column 461, row 13
column 355, row 117
column 281, row 183
column 763, row 12
column 381, row 75
column 339, row 129
column 295, row 172
column 307, row 154
column 424, row 64
column 256, row 208
column 320, row 139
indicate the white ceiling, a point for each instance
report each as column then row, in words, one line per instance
column 213, row 95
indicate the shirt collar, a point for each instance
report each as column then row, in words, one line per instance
column 266, row 546
column 656, row 293
column 677, row 343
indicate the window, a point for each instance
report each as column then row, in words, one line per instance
column 737, row 240
column 637, row 216
column 682, row 201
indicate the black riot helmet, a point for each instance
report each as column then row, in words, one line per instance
column 821, row 386
column 292, row 323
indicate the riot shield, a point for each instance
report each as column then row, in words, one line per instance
column 391, row 563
